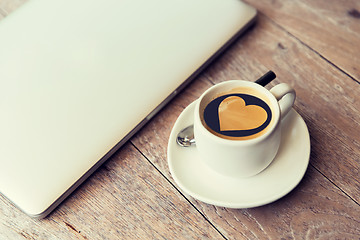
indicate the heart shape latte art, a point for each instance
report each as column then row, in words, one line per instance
column 235, row 115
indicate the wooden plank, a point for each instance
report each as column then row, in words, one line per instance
column 316, row 208
column 313, row 208
column 325, row 98
column 126, row 199
column 331, row 28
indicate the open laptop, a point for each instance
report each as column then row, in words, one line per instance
column 79, row 78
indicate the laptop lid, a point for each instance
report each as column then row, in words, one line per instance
column 78, row 78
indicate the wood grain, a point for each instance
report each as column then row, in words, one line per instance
column 316, row 208
column 316, row 81
column 325, row 98
column 312, row 45
column 126, row 199
column 330, row 28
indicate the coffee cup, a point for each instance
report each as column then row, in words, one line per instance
column 237, row 126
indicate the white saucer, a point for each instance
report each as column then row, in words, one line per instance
column 206, row 185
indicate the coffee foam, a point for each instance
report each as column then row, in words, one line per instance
column 240, row 115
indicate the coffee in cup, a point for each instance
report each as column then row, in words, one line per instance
column 237, row 126
column 239, row 114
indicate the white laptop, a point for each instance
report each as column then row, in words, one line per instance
column 79, row 77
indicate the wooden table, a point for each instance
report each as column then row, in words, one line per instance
column 312, row 45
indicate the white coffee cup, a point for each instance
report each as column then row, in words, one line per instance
column 242, row 158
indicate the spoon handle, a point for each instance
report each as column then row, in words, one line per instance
column 266, row 78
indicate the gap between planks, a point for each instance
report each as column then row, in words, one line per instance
column 173, row 185
column 307, row 46
column 332, row 64
column 335, row 184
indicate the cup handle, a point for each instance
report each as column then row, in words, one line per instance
column 286, row 96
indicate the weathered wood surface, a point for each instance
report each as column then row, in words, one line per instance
column 330, row 28
column 126, row 199
column 327, row 98
column 312, row 45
